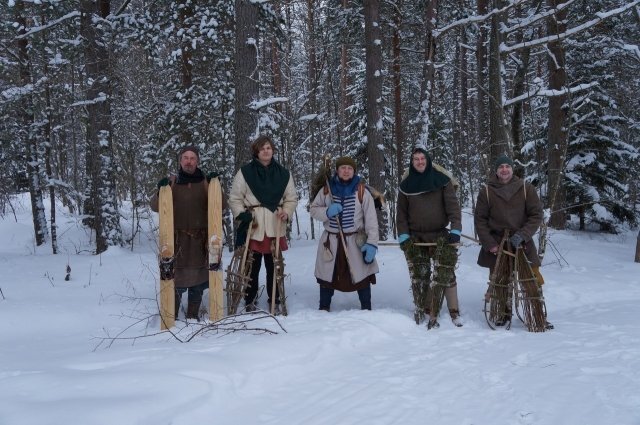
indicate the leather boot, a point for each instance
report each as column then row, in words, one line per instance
column 193, row 310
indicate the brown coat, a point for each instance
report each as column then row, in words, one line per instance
column 425, row 216
column 190, row 226
column 513, row 206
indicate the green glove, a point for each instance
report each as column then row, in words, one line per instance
column 163, row 182
column 212, row 175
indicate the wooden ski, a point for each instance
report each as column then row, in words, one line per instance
column 166, row 257
column 216, row 303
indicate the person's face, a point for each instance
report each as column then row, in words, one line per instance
column 419, row 162
column 504, row 173
column 265, row 153
column 189, row 162
column 345, row 172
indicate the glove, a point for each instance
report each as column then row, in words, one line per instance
column 334, row 209
column 405, row 241
column 453, row 237
column 212, row 175
column 368, row 252
column 163, row 182
column 516, row 240
column 244, row 218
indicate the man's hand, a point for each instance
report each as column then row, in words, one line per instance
column 163, row 182
column 516, row 240
column 212, row 175
column 368, row 252
column 334, row 209
column 245, row 217
column 405, row 241
column 282, row 214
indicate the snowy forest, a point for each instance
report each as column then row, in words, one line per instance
column 97, row 96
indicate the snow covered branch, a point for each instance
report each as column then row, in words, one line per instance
column 259, row 104
column 535, row 18
column 550, row 93
column 474, row 19
column 49, row 25
column 600, row 16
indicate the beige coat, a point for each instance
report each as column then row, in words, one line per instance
column 364, row 218
column 241, row 198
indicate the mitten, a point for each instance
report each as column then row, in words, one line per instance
column 334, row 209
column 453, row 237
column 516, row 240
column 163, row 182
column 212, row 175
column 368, row 252
column 244, row 217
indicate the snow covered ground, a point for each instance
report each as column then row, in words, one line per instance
column 344, row 367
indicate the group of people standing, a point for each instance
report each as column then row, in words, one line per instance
column 429, row 224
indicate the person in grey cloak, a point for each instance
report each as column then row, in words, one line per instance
column 345, row 206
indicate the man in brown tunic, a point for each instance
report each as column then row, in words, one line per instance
column 189, row 189
column 427, row 204
column 507, row 203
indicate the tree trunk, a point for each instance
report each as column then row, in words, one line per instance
column 397, row 92
column 481, row 84
column 497, row 125
column 428, row 73
column 186, row 72
column 375, row 142
column 313, row 88
column 557, row 133
column 27, row 131
column 101, row 163
column 344, row 83
column 246, row 78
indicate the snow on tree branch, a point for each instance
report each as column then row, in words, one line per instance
column 259, row 104
column 535, row 18
column 573, row 31
column 550, row 93
column 49, row 25
column 474, row 19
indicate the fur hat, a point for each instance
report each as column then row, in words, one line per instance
column 191, row 148
column 502, row 159
column 345, row 160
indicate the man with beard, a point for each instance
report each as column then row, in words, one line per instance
column 427, row 204
column 507, row 203
column 189, row 189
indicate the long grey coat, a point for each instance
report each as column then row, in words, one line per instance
column 364, row 218
column 513, row 206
